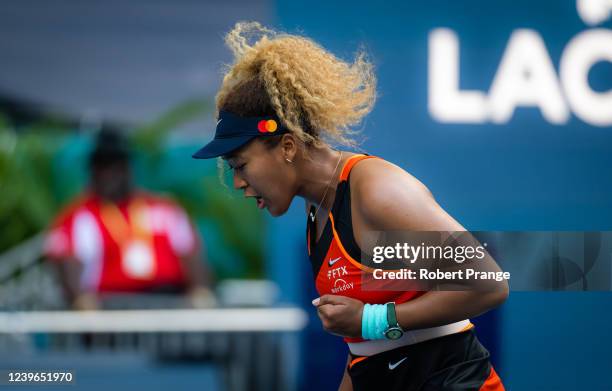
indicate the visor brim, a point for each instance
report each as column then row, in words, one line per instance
column 221, row 146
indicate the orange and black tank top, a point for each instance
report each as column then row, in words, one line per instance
column 335, row 257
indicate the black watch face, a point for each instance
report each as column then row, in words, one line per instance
column 394, row 334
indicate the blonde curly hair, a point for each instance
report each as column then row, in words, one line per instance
column 319, row 97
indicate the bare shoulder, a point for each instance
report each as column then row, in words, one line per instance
column 388, row 197
column 379, row 180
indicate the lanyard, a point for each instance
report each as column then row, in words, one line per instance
column 122, row 229
column 132, row 236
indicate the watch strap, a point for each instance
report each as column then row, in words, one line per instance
column 391, row 316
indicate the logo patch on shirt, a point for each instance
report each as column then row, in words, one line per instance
column 340, row 286
column 337, row 272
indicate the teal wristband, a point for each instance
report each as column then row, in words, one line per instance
column 381, row 321
column 374, row 321
column 365, row 317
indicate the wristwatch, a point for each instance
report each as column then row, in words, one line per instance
column 393, row 331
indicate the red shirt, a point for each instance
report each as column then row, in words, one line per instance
column 133, row 246
column 335, row 256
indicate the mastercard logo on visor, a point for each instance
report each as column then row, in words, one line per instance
column 267, row 126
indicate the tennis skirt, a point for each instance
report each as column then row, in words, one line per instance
column 453, row 362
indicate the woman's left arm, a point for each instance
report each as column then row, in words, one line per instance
column 386, row 198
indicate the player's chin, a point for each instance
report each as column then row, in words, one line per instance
column 277, row 210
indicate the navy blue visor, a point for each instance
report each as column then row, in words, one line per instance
column 233, row 132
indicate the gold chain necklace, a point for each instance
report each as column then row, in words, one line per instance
column 312, row 216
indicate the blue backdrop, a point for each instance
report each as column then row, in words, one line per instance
column 525, row 173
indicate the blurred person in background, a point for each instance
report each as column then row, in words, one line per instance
column 116, row 239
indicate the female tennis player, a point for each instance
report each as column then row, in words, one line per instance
column 282, row 104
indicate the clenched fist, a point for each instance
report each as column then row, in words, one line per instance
column 340, row 315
